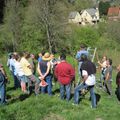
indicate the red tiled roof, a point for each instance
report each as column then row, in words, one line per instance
column 113, row 11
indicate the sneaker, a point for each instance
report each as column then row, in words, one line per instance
column 93, row 107
column 27, row 92
column 36, row 94
column 74, row 104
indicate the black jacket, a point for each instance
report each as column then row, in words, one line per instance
column 89, row 67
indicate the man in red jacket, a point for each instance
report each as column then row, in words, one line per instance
column 65, row 73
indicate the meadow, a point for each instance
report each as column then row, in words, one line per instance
column 43, row 107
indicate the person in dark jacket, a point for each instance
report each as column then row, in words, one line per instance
column 88, row 70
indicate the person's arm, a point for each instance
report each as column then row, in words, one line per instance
column 77, row 56
column 107, row 76
column 27, row 64
column 8, row 62
column 39, row 71
column 72, row 72
column 101, row 65
column 3, row 72
column 85, row 75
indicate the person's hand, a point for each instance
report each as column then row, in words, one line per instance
column 41, row 77
column 98, row 62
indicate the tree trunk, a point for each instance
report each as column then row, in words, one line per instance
column 48, row 39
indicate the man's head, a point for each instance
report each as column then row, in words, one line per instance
column 62, row 57
column 82, row 46
column 118, row 67
column 84, row 57
column 27, row 55
column 109, row 61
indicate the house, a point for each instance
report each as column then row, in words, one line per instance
column 74, row 17
column 90, row 16
column 114, row 13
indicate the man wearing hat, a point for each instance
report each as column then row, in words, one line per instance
column 44, row 71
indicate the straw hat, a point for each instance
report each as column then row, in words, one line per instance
column 46, row 57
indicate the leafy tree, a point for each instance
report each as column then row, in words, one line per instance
column 103, row 7
column 113, row 30
column 83, row 4
column 47, row 17
column 12, row 24
column 6, row 43
column 88, row 35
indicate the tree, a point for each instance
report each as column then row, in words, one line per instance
column 113, row 30
column 48, row 16
column 84, row 35
column 83, row 4
column 103, row 7
column 12, row 22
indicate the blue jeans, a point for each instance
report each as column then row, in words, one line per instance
column 68, row 91
column 16, row 81
column 3, row 93
column 102, row 80
column 23, row 78
column 48, row 79
column 92, row 93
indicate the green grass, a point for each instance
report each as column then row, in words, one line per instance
column 44, row 107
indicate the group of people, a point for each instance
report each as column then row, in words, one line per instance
column 23, row 70
column 87, row 70
column 106, row 75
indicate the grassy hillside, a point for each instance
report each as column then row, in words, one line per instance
column 44, row 107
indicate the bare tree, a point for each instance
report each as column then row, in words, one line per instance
column 49, row 20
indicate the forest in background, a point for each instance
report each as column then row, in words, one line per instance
column 42, row 25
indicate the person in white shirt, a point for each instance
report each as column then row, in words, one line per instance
column 20, row 74
column 27, row 69
column 13, row 71
column 103, row 65
column 88, row 74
